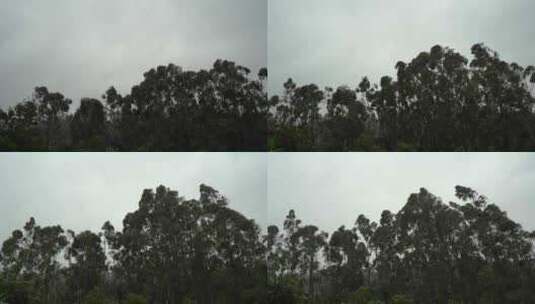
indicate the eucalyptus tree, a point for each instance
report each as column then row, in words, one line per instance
column 346, row 120
column 298, row 117
column 438, row 101
column 428, row 231
column 32, row 256
column 346, row 257
column 88, row 127
column 218, row 109
column 178, row 250
column 223, row 108
column 384, row 243
column 505, row 250
column 87, row 264
column 310, row 242
column 39, row 123
column 53, row 108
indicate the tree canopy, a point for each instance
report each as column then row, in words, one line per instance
column 170, row 250
column 177, row 250
column 428, row 252
column 221, row 109
column 439, row 101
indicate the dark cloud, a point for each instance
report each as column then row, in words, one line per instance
column 338, row 42
column 82, row 47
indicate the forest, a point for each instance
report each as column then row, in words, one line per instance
column 221, row 109
column 175, row 250
column 439, row 101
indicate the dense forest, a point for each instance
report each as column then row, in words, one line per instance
column 439, row 101
column 221, row 109
column 174, row 250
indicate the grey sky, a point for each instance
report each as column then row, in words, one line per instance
column 82, row 190
column 332, row 189
column 337, row 42
column 82, row 47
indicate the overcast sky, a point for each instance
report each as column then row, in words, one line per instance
column 332, row 189
column 340, row 41
column 81, row 191
column 80, row 48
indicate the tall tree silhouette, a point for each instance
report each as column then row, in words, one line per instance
column 220, row 109
column 428, row 252
column 439, row 101
column 177, row 250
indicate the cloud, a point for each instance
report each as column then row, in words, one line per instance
column 339, row 42
column 80, row 48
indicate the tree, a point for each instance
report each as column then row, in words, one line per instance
column 87, row 263
column 88, row 127
column 347, row 258
column 345, row 121
column 428, row 252
column 31, row 257
column 220, row 109
column 52, row 109
column 309, row 242
column 177, row 250
column 438, row 101
column 180, row 249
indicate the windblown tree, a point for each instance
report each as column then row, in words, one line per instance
column 40, row 123
column 178, row 249
column 170, row 250
column 87, row 264
column 221, row 109
column 428, row 252
column 88, row 126
column 30, row 263
column 174, row 250
column 439, row 101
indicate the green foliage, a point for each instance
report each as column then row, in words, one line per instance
column 132, row 298
column 3, row 291
column 366, row 143
column 362, row 296
column 288, row 290
column 401, row 299
column 17, row 292
column 96, row 296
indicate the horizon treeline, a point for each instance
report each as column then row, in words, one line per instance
column 438, row 101
column 170, row 250
column 177, row 250
column 221, row 109
column 429, row 252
